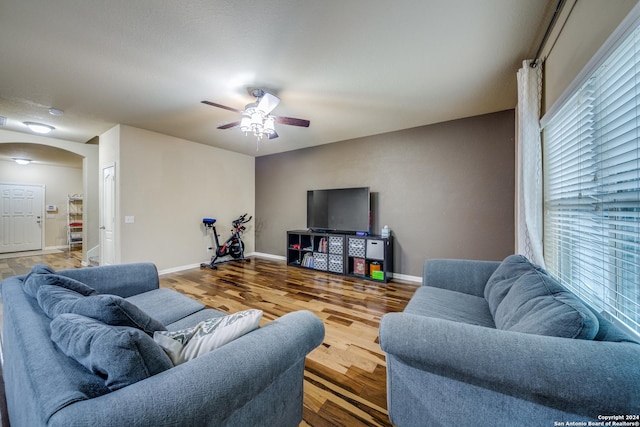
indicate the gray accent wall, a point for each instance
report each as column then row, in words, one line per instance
column 445, row 190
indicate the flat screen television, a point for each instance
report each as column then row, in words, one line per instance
column 340, row 210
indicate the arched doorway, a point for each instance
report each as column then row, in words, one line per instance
column 56, row 151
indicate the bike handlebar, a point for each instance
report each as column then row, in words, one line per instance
column 242, row 220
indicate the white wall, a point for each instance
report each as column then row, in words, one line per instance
column 58, row 181
column 168, row 185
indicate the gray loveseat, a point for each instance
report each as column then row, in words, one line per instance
column 254, row 380
column 503, row 344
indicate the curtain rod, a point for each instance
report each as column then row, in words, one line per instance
column 534, row 63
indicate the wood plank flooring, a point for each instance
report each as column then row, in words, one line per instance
column 345, row 377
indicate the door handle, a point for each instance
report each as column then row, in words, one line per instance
column 103, row 228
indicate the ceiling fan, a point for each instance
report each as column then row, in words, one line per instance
column 256, row 117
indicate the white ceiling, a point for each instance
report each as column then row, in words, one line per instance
column 353, row 68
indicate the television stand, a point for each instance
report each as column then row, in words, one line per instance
column 367, row 257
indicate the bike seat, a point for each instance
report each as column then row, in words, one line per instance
column 208, row 221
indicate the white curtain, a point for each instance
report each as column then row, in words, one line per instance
column 529, row 203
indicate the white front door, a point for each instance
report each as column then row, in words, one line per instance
column 108, row 216
column 22, row 224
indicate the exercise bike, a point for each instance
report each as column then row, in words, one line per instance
column 234, row 246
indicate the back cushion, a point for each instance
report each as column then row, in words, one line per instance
column 503, row 278
column 110, row 309
column 33, row 282
column 531, row 301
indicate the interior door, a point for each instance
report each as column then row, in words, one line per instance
column 21, row 227
column 108, row 216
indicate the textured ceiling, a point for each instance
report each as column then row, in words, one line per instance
column 353, row 68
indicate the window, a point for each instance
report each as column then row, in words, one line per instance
column 591, row 165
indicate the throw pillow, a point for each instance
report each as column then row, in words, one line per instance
column 509, row 270
column 207, row 335
column 39, row 269
column 55, row 300
column 537, row 304
column 118, row 354
column 110, row 309
column 34, row 281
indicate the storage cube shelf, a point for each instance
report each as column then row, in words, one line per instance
column 341, row 254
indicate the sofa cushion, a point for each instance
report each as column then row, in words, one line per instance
column 207, row 335
column 35, row 280
column 166, row 305
column 110, row 309
column 119, row 354
column 526, row 299
column 450, row 305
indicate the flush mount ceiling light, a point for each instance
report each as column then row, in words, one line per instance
column 39, row 127
column 55, row 112
column 21, row 161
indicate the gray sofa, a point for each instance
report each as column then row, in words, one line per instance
column 251, row 381
column 503, row 344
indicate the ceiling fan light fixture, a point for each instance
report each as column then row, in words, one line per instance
column 39, row 127
column 269, row 125
column 245, row 123
column 256, row 117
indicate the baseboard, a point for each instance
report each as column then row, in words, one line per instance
column 60, row 247
column 269, row 256
column 406, row 277
column 177, row 269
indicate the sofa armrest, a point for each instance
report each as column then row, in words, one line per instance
column 467, row 276
column 580, row 376
column 124, row 280
column 218, row 388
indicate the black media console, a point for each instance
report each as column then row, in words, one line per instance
column 368, row 257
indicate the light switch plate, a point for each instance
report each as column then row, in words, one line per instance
column 129, row 219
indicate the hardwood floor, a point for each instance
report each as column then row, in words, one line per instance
column 345, row 377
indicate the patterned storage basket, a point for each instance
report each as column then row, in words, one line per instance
column 356, row 247
column 320, row 261
column 336, row 244
column 336, row 263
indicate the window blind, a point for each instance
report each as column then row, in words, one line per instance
column 591, row 163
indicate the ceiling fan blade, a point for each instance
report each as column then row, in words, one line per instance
column 291, row 121
column 213, row 104
column 268, row 102
column 229, row 125
column 273, row 135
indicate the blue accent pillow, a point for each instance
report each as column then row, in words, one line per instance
column 56, row 300
column 110, row 309
column 509, row 270
column 522, row 297
column 39, row 269
column 34, row 281
column 120, row 355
